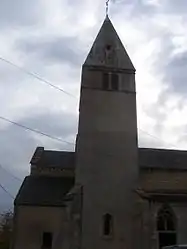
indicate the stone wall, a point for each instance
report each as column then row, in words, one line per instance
column 163, row 179
column 31, row 222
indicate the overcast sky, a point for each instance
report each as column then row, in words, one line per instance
column 52, row 38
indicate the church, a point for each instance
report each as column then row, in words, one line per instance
column 108, row 193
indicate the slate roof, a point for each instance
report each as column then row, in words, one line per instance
column 108, row 42
column 43, row 191
column 163, row 159
column 58, row 159
column 52, row 158
column 148, row 158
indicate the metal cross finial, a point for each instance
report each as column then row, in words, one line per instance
column 107, row 3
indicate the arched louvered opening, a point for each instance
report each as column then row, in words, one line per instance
column 110, row 81
column 115, row 82
column 106, row 82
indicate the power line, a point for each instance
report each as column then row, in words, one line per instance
column 36, row 131
column 36, row 76
column 159, row 139
column 64, row 141
column 44, row 134
column 59, row 89
column 109, row 155
column 8, row 172
column 6, row 191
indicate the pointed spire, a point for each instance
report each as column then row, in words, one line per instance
column 108, row 50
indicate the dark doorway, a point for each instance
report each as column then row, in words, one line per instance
column 47, row 240
column 167, row 239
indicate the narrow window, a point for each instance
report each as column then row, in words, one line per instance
column 47, row 241
column 105, row 81
column 115, row 82
column 166, row 227
column 107, row 225
column 165, row 220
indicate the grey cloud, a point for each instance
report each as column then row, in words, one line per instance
column 11, row 77
column 58, row 124
column 136, row 8
column 19, row 12
column 159, row 62
column 61, row 49
column 145, row 8
column 175, row 7
column 171, row 68
column 182, row 138
column 176, row 74
column 155, row 112
column 141, row 7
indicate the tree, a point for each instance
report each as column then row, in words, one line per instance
column 6, row 223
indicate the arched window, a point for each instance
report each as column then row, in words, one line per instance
column 166, row 219
column 166, row 227
column 107, row 224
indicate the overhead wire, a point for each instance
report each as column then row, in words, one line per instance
column 6, row 191
column 9, row 173
column 15, row 177
column 60, row 89
column 105, row 154
column 36, row 76
column 65, row 141
column 36, row 131
column 43, row 133
column 46, row 134
column 157, row 138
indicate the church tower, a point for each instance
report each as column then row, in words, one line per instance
column 106, row 148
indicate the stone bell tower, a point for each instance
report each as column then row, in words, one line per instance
column 106, row 146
